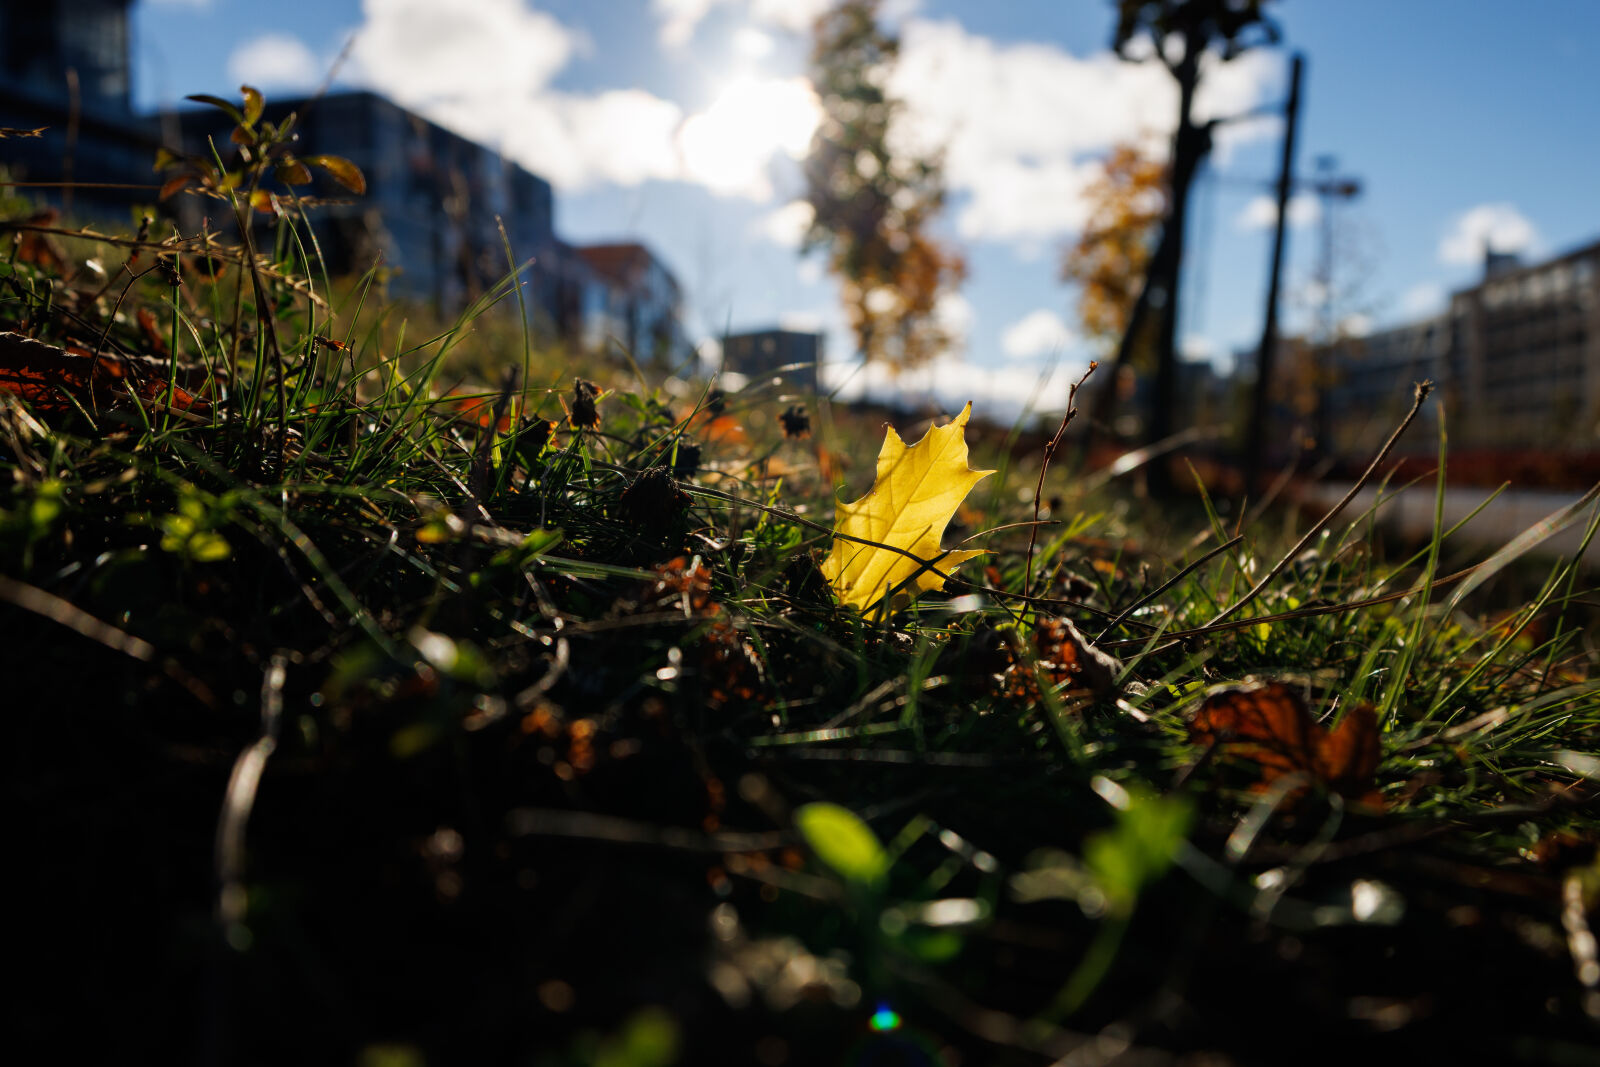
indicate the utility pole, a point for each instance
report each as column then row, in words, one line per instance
column 1328, row 187
column 1255, row 440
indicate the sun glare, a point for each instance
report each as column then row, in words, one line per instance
column 729, row 145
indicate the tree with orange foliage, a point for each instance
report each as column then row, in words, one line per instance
column 871, row 207
column 1127, row 203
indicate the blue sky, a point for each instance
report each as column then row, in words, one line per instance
column 678, row 121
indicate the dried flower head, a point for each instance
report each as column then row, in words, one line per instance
column 687, row 460
column 796, row 423
column 652, row 499
column 583, row 413
column 535, row 436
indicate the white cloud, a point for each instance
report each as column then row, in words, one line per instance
column 274, row 61
column 796, row 16
column 1038, row 333
column 1019, row 126
column 1262, row 212
column 422, row 52
column 752, row 43
column 804, row 321
column 485, row 70
column 955, row 315
column 1017, row 200
column 727, row 147
column 1422, row 300
column 787, row 225
column 624, row 136
column 1499, row 226
column 893, row 12
column 680, row 18
column 1356, row 325
column 997, row 392
column 709, row 352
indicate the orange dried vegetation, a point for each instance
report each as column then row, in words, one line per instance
column 478, row 410
column 1269, row 725
column 713, row 426
column 1062, row 656
column 1126, row 205
column 51, row 379
column 722, row 658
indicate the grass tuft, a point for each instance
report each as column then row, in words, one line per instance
column 396, row 698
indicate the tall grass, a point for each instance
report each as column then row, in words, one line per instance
column 472, row 714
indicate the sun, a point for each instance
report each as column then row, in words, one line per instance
column 729, row 145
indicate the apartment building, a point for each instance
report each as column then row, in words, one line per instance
column 430, row 219
column 637, row 304
column 790, row 355
column 1515, row 359
column 64, row 71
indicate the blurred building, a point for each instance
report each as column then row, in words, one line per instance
column 632, row 299
column 432, row 211
column 430, row 218
column 1516, row 359
column 1525, row 364
column 64, row 67
column 790, row 355
column 1370, row 380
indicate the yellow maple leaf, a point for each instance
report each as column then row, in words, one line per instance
column 916, row 491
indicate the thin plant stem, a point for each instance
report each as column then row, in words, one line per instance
column 1419, row 394
column 1044, row 466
